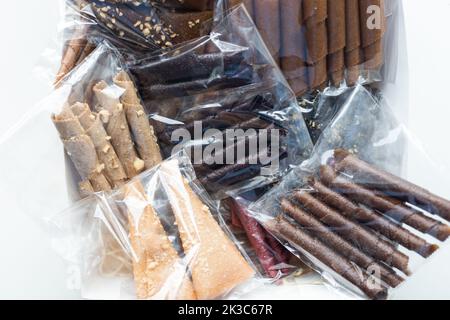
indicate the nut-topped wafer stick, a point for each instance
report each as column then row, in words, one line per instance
column 105, row 151
column 81, row 151
column 267, row 19
column 382, row 180
column 199, row 5
column 143, row 133
column 340, row 245
column 353, row 50
column 185, row 26
column 373, row 220
column 336, row 40
column 217, row 265
column 396, row 211
column 158, row 271
column 355, row 233
column 301, row 239
column 112, row 114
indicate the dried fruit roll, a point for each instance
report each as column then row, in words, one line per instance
column 382, row 180
column 158, row 271
column 336, row 40
column 81, row 151
column 341, row 265
column 353, row 50
column 340, row 245
column 372, row 219
column 217, row 265
column 355, row 233
column 315, row 14
column 267, row 19
column 106, row 154
column 113, row 116
column 372, row 22
column 293, row 46
column 143, row 133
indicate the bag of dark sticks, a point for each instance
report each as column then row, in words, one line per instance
column 356, row 212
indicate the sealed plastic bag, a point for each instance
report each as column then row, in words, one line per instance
column 352, row 211
column 160, row 232
column 327, row 43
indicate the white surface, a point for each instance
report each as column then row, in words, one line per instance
column 30, row 269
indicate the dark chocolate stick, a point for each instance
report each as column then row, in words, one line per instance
column 340, row 245
column 382, row 180
column 355, row 233
column 301, row 239
column 373, row 220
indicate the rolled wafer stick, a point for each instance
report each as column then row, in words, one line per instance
column 81, row 151
column 382, row 180
column 267, row 19
column 373, row 220
column 353, row 51
column 113, row 116
column 158, row 271
column 372, row 21
column 143, row 133
column 341, row 265
column 217, row 265
column 105, row 151
column 358, row 235
column 336, row 40
column 340, row 245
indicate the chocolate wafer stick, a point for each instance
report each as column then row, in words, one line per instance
column 382, row 180
column 267, row 19
column 353, row 51
column 301, row 239
column 395, row 210
column 337, row 243
column 336, row 40
column 185, row 26
column 373, row 220
column 372, row 244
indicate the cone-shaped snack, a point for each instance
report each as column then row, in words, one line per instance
column 81, row 151
column 217, row 265
column 106, row 154
column 340, row 245
column 382, row 180
column 185, row 26
column 373, row 220
column 158, row 270
column 336, row 40
column 293, row 46
column 143, row 133
column 353, row 50
column 372, row 31
column 396, row 211
column 341, row 265
column 267, row 19
column 113, row 116
column 353, row 232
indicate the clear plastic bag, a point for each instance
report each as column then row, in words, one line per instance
column 353, row 211
column 157, row 237
column 327, row 43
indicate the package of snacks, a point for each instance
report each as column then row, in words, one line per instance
column 327, row 43
column 353, row 211
column 156, row 237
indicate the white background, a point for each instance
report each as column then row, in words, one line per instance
column 28, row 266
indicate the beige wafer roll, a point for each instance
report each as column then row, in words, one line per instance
column 105, row 151
column 143, row 133
column 217, row 266
column 158, row 272
column 81, row 150
column 112, row 114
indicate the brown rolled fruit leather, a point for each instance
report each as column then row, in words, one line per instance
column 105, row 151
column 395, row 210
column 267, row 19
column 372, row 35
column 81, row 151
column 293, row 56
column 341, row 265
column 382, row 180
column 353, row 232
column 340, row 245
column 353, row 50
column 373, row 220
column 336, row 40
